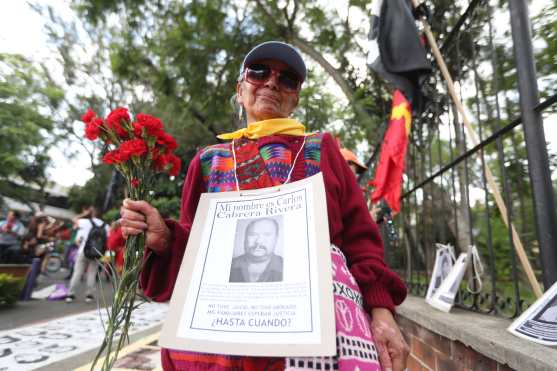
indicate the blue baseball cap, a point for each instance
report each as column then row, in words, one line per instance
column 279, row 51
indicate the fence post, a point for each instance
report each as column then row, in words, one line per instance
column 538, row 163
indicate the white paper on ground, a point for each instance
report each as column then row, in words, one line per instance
column 43, row 293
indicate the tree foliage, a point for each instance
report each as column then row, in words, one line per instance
column 545, row 28
column 28, row 98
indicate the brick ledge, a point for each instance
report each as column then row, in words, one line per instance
column 485, row 334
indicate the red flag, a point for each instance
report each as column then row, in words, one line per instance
column 388, row 174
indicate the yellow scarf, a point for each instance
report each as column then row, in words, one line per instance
column 263, row 128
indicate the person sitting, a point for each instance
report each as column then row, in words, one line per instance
column 11, row 233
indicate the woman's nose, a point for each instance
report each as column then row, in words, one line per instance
column 272, row 82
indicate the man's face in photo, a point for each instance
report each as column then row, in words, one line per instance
column 445, row 267
column 261, row 238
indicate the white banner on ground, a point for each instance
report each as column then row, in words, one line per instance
column 35, row 346
column 256, row 275
column 444, row 260
column 539, row 322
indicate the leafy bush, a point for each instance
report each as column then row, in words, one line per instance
column 10, row 289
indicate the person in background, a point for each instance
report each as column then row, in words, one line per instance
column 355, row 165
column 11, row 233
column 358, row 168
column 44, row 234
column 84, row 222
column 32, row 244
column 30, row 241
column 70, row 250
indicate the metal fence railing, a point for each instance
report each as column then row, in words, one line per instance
column 447, row 198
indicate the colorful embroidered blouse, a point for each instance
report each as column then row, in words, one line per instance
column 265, row 162
column 350, row 225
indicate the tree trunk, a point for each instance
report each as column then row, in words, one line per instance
column 463, row 209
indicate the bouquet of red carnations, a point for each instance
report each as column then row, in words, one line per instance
column 138, row 149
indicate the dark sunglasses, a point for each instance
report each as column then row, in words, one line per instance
column 259, row 74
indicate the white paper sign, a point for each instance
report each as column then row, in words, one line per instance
column 539, row 322
column 444, row 259
column 443, row 299
column 256, row 275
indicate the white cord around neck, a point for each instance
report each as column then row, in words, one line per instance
column 289, row 173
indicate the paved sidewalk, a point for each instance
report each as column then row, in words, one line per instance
column 36, row 311
column 143, row 354
column 58, row 336
column 49, row 345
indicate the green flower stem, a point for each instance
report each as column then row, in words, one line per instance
column 119, row 317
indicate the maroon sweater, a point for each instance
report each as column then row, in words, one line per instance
column 350, row 227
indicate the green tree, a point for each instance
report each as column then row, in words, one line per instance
column 181, row 66
column 545, row 30
column 28, row 99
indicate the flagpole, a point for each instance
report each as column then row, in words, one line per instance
column 489, row 176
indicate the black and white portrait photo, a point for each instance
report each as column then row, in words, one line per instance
column 257, row 251
column 549, row 313
column 441, row 269
column 444, row 269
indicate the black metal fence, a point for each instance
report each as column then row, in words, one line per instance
column 447, row 197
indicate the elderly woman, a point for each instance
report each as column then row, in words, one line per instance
column 273, row 150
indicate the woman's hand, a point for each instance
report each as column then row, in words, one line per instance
column 391, row 346
column 140, row 216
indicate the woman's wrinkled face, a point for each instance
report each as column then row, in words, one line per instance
column 268, row 100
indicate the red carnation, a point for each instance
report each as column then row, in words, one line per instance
column 113, row 157
column 138, row 149
column 137, row 129
column 88, row 116
column 168, row 141
column 118, row 129
column 133, row 147
column 153, row 126
column 159, row 161
column 93, row 128
column 176, row 163
column 114, row 121
column 118, row 115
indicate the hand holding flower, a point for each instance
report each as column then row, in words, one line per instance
column 140, row 216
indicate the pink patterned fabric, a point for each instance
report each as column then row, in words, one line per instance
column 355, row 345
